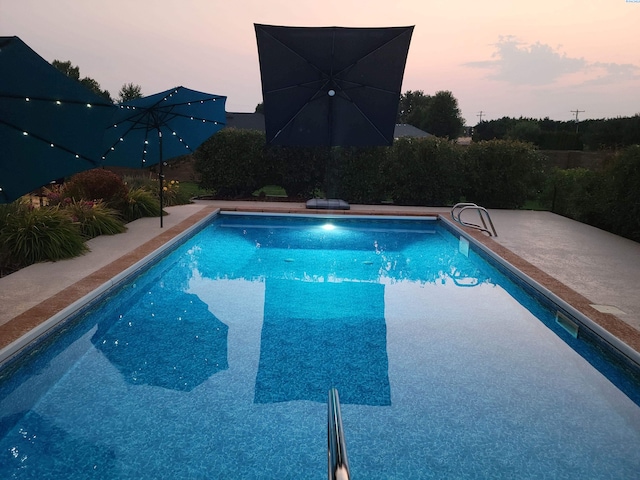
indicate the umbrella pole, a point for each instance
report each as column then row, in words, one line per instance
column 161, row 177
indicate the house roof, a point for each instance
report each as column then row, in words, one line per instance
column 255, row 121
column 406, row 130
column 245, row 121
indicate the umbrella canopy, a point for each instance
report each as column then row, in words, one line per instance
column 51, row 126
column 150, row 129
column 181, row 118
column 331, row 86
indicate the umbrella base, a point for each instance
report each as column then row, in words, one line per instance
column 328, row 204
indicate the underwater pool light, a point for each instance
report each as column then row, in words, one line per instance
column 328, row 226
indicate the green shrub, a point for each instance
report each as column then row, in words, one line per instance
column 95, row 218
column 502, row 173
column 147, row 181
column 34, row 235
column 574, row 193
column 7, row 263
column 299, row 170
column 171, row 193
column 139, row 203
column 97, row 184
column 232, row 163
column 606, row 198
column 358, row 174
column 424, row 171
column 621, row 211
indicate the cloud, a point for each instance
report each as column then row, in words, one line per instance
column 608, row 73
column 538, row 64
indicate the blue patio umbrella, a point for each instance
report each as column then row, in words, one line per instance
column 152, row 129
column 51, row 126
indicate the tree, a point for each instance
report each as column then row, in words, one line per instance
column 68, row 69
column 260, row 108
column 129, row 91
column 442, row 117
column 74, row 72
column 411, row 107
column 438, row 114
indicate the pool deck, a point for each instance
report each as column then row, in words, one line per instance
column 592, row 270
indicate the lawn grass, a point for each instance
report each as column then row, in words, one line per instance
column 192, row 189
column 270, row 191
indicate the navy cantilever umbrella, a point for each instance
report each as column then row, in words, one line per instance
column 331, row 86
column 152, row 129
column 51, row 126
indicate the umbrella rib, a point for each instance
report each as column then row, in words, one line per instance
column 112, row 147
column 42, row 139
column 293, row 117
column 373, row 125
column 293, row 51
column 403, row 32
column 308, row 85
column 364, row 85
column 53, row 100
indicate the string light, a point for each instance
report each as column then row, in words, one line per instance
column 58, row 102
column 27, row 99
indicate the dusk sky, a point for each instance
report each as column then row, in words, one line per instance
column 543, row 58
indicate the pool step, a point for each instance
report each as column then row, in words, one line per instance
column 570, row 326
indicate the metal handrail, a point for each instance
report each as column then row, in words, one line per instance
column 337, row 448
column 482, row 213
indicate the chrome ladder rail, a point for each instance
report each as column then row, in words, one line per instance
column 337, row 449
column 458, row 208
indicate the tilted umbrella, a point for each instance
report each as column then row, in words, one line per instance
column 331, row 86
column 51, row 126
column 152, row 129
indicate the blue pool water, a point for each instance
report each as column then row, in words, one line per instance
column 216, row 363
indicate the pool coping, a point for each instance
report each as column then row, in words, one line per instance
column 23, row 329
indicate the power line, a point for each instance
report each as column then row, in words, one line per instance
column 577, row 121
column 479, row 115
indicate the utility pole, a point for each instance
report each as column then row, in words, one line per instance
column 479, row 115
column 577, row 121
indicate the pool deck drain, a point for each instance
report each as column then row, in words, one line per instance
column 28, row 309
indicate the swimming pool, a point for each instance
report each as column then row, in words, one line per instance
column 216, row 362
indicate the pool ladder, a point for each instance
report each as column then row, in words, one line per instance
column 336, row 447
column 485, row 218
